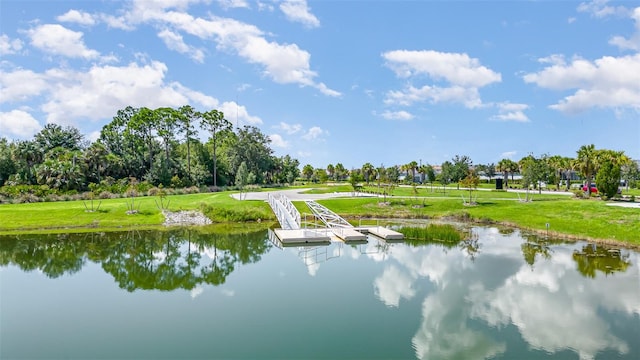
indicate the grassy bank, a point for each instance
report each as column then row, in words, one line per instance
column 585, row 219
column 112, row 213
column 568, row 217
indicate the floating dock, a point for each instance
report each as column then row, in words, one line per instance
column 349, row 234
column 292, row 233
column 303, row 236
column 384, row 233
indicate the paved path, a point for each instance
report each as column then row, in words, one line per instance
column 625, row 204
column 296, row 195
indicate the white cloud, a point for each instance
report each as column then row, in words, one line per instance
column 232, row 4
column 278, row 141
column 397, row 115
column 8, row 46
column 289, row 128
column 18, row 123
column 460, row 76
column 196, row 291
column 454, row 68
column 283, row 63
column 175, row 42
column 304, row 154
column 238, row 114
column 393, row 285
column 58, row 40
column 600, row 8
column 469, row 97
column 508, row 154
column 315, row 133
column 633, row 42
column 78, row 17
column 298, row 11
column 512, row 112
column 21, row 84
column 608, row 82
column 265, row 6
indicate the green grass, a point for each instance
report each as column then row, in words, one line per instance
column 585, row 219
column 220, row 207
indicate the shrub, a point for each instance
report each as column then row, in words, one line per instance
column 106, row 195
column 192, row 190
column 27, row 198
column 154, row 191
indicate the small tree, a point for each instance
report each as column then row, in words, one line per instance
column 241, row 177
column 471, row 182
column 608, row 179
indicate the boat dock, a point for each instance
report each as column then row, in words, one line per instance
column 335, row 227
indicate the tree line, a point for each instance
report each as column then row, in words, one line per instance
column 155, row 146
column 606, row 167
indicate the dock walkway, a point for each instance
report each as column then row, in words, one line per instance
column 292, row 233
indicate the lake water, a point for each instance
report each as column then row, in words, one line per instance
column 182, row 294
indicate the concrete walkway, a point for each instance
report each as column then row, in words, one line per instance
column 296, row 195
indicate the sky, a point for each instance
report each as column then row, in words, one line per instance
column 385, row 82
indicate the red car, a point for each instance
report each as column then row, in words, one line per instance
column 592, row 189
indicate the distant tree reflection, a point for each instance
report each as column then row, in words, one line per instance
column 145, row 260
column 594, row 258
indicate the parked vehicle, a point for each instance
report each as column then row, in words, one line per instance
column 592, row 188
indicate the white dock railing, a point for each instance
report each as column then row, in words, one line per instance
column 287, row 215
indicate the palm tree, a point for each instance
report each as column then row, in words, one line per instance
column 331, row 170
column 586, row 163
column 557, row 163
column 367, row 171
column 504, row 166
column 413, row 166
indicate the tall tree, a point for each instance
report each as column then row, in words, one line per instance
column 95, row 157
column 142, row 125
column 461, row 165
column 7, row 164
column 413, row 166
column 446, row 174
column 586, row 163
column 167, row 124
column 331, row 170
column 188, row 116
column 307, row 171
column 53, row 135
column 215, row 122
column 252, row 147
column 608, row 178
column 340, row 172
column 503, row 167
column 368, row 170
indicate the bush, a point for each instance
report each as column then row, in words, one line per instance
column 192, row 190
column 27, row 198
column 107, row 195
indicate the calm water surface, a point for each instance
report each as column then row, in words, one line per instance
column 183, row 294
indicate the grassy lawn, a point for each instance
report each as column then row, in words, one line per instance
column 113, row 212
column 587, row 219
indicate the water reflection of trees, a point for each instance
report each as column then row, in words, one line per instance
column 594, row 258
column 148, row 260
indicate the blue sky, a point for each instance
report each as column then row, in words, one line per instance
column 386, row 82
